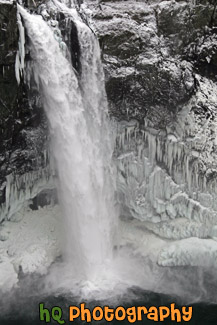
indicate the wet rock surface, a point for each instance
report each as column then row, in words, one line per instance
column 22, row 122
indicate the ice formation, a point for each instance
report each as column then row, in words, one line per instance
column 168, row 166
column 20, row 57
column 162, row 175
column 163, row 179
column 20, row 189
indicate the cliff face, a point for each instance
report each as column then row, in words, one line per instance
column 22, row 122
column 152, row 50
column 24, row 150
column 160, row 65
column 160, row 60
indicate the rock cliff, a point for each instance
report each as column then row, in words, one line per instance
column 160, row 62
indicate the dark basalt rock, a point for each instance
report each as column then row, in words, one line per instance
column 8, row 46
column 70, row 36
column 45, row 197
column 151, row 52
column 23, row 124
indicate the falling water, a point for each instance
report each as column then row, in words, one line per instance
column 76, row 108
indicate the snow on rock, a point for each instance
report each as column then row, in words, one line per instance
column 180, row 228
column 191, row 251
column 166, row 163
column 145, row 243
column 28, row 244
column 8, row 276
column 6, row 1
column 144, row 42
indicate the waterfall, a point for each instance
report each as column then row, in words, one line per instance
column 76, row 108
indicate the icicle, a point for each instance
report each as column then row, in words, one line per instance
column 140, row 150
column 20, row 57
column 20, row 189
column 170, row 157
column 123, row 138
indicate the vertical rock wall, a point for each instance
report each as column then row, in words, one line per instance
column 160, row 63
column 22, row 122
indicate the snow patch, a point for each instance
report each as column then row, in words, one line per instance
column 28, row 244
column 191, row 251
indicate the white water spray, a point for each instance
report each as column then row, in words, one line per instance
column 77, row 114
column 81, row 142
